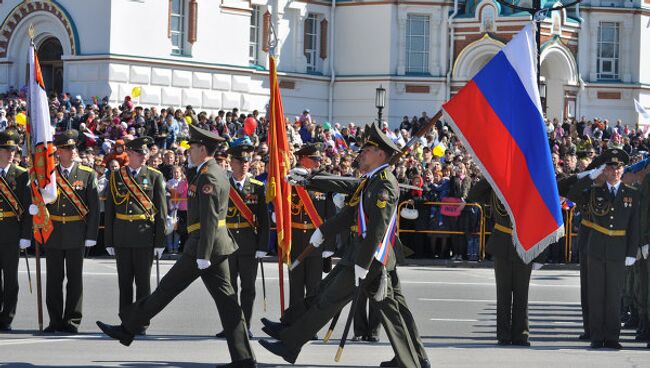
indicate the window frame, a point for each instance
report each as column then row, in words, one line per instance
column 424, row 53
column 181, row 49
column 613, row 72
column 312, row 53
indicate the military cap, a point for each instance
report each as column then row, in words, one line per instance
column 9, row 139
column 140, row 144
column 204, row 137
column 66, row 139
column 615, row 156
column 241, row 149
column 375, row 137
column 311, row 150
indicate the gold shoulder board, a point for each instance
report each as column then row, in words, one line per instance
column 85, row 168
column 257, row 182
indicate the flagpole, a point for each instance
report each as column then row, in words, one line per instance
column 37, row 248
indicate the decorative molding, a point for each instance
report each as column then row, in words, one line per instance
column 415, row 88
column 609, row 95
column 193, row 16
column 266, row 31
column 25, row 9
column 287, row 84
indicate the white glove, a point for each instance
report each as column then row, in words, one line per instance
column 645, row 250
column 90, row 243
column 202, row 264
column 297, row 176
column 33, row 209
column 110, row 251
column 158, row 252
column 629, row 261
column 327, row 253
column 260, row 254
column 359, row 274
column 594, row 173
column 273, row 216
column 316, row 238
column 537, row 266
column 24, row 243
column 339, row 200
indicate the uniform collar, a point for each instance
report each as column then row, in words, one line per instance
column 67, row 168
column 6, row 169
column 376, row 170
column 616, row 187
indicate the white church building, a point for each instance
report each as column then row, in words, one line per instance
column 212, row 54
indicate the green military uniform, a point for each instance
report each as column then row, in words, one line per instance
column 379, row 193
column 209, row 240
column 135, row 212
column 642, row 267
column 614, row 235
column 15, row 227
column 512, row 275
column 76, row 222
column 304, row 279
column 250, row 239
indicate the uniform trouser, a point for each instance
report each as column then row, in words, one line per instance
column 333, row 298
column 641, row 291
column 366, row 318
column 68, row 263
column 9, row 256
column 303, row 280
column 605, row 289
column 133, row 265
column 406, row 314
column 216, row 279
column 246, row 268
column 512, row 279
column 583, row 235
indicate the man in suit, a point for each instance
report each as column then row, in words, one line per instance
column 374, row 201
column 248, row 222
column 613, row 243
column 75, row 217
column 15, row 224
column 135, row 210
column 205, row 255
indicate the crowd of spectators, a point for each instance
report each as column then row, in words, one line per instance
column 437, row 164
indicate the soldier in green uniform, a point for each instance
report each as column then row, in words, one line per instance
column 375, row 196
column 135, row 211
column 511, row 274
column 304, row 279
column 15, row 224
column 643, row 292
column 248, row 222
column 205, row 255
column 613, row 243
column 75, row 217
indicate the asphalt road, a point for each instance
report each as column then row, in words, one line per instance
column 454, row 309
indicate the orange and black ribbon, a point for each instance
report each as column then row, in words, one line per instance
column 241, row 206
column 141, row 198
column 68, row 192
column 309, row 206
column 10, row 197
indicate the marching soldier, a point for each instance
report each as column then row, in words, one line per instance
column 205, row 255
column 374, row 199
column 15, row 224
column 308, row 210
column 248, row 222
column 75, row 217
column 136, row 208
column 613, row 244
column 512, row 275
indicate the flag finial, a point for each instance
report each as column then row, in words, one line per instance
column 31, row 31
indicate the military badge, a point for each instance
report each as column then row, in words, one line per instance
column 627, row 201
column 207, row 189
column 78, row 184
column 382, row 198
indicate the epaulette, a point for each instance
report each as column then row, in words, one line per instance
column 257, row 182
column 155, row 170
column 382, row 175
column 204, row 170
column 20, row 168
column 85, row 168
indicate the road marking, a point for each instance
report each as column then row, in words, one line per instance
column 38, row 340
column 483, row 284
column 537, row 302
column 452, row 320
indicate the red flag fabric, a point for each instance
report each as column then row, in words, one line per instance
column 278, row 190
column 39, row 131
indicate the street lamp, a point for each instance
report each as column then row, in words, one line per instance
column 380, row 101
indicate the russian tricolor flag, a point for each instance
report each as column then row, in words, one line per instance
column 498, row 117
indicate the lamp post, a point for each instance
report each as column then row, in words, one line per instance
column 380, row 101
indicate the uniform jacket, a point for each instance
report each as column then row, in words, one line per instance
column 250, row 239
column 15, row 228
column 135, row 233
column 380, row 199
column 620, row 214
column 300, row 237
column 73, row 234
column 207, row 198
